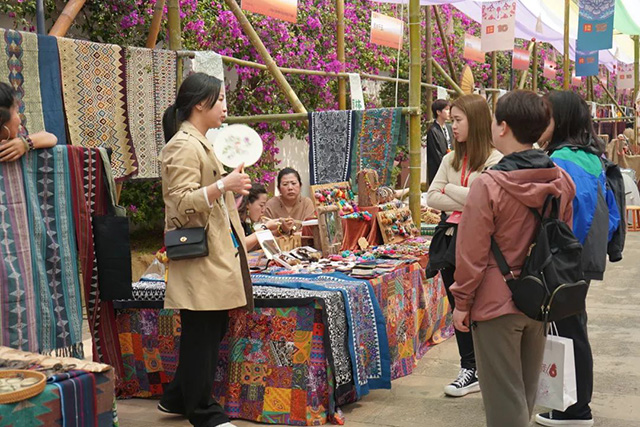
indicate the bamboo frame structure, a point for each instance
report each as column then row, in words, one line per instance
column 429, row 65
column 40, row 27
column 566, row 78
column 156, row 21
column 415, row 92
column 288, row 117
column 494, row 79
column 534, row 71
column 452, row 69
column 175, row 33
column 611, row 97
column 342, row 83
column 525, row 73
column 447, row 77
column 636, row 88
column 266, row 57
column 64, row 21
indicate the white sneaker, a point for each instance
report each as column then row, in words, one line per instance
column 226, row 425
column 467, row 382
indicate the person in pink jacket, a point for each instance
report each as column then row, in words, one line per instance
column 508, row 345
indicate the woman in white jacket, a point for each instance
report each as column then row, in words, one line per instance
column 473, row 153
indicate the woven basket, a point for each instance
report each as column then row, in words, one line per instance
column 27, row 392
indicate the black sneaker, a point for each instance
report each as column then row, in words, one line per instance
column 548, row 419
column 166, row 410
column 467, row 382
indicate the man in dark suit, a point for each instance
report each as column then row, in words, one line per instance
column 439, row 137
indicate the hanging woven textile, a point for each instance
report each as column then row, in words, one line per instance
column 94, row 92
column 331, row 143
column 53, row 250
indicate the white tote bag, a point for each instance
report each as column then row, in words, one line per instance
column 557, row 384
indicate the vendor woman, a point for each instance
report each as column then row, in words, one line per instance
column 252, row 216
column 12, row 146
column 290, row 204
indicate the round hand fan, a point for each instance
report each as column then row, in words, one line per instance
column 237, row 144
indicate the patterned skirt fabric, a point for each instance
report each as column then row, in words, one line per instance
column 273, row 367
column 53, row 248
column 94, row 91
column 148, row 71
column 89, row 198
column 331, row 143
column 17, row 299
column 368, row 342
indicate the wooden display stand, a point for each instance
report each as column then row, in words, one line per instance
column 288, row 243
column 344, row 187
column 398, row 218
column 330, row 230
column 368, row 187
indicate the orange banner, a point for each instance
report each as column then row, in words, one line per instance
column 386, row 30
column 549, row 71
column 286, row 10
column 472, row 48
column 521, row 59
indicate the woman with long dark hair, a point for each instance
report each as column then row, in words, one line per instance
column 574, row 147
column 251, row 212
column 473, row 153
column 12, row 144
column 198, row 193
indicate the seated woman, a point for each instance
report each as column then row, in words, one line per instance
column 289, row 204
column 12, row 146
column 251, row 212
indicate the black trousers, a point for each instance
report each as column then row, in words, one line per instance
column 575, row 327
column 464, row 339
column 190, row 392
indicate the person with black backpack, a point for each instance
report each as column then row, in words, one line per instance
column 574, row 147
column 508, row 344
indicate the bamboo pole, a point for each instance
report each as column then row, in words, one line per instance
column 64, row 21
column 158, row 11
column 525, row 73
column 534, row 72
column 288, row 117
column 266, row 57
column 429, row 68
column 611, row 97
column 566, row 78
column 448, row 78
column 636, row 88
column 342, row 83
column 415, row 137
column 589, row 93
column 494, row 78
column 452, row 69
column 175, row 33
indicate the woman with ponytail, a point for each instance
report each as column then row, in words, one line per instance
column 198, row 193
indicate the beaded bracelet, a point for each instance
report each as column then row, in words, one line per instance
column 28, row 142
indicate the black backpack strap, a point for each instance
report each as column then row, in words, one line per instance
column 502, row 263
column 552, row 205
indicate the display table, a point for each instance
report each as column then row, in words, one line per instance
column 78, row 397
column 353, row 229
column 312, row 343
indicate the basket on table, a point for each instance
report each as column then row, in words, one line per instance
column 14, row 391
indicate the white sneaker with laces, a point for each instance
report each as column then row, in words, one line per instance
column 226, row 425
column 467, row 382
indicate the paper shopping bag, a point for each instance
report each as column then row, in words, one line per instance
column 557, row 384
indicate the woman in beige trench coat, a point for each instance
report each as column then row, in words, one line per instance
column 197, row 193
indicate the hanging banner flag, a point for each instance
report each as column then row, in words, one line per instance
column 549, row 70
column 625, row 77
column 521, row 59
column 595, row 24
column 498, row 25
column 472, row 48
column 386, row 30
column 286, row 10
column 355, row 87
column 587, row 63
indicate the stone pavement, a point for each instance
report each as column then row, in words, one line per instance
column 418, row 400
